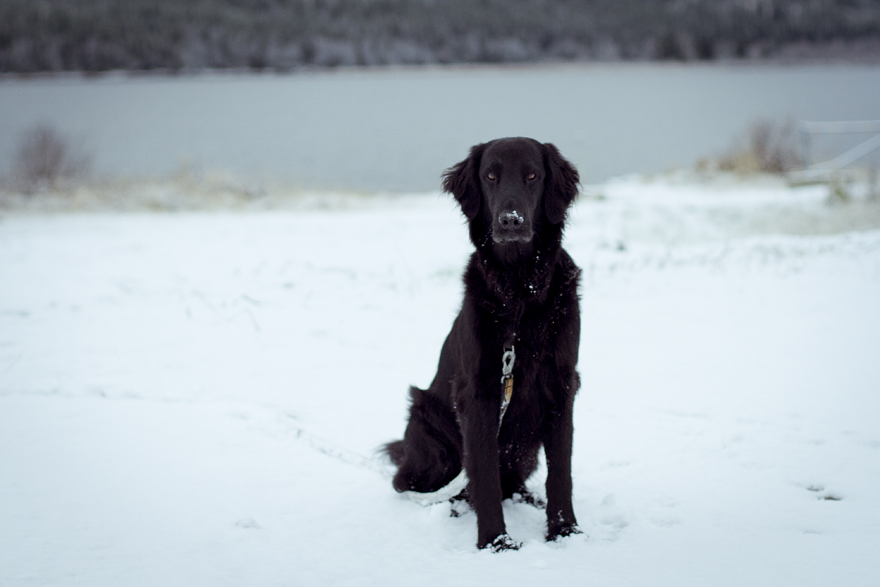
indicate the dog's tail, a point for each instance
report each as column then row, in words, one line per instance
column 396, row 451
column 428, row 457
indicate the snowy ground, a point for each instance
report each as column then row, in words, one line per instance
column 195, row 398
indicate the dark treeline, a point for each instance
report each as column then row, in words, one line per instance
column 101, row 35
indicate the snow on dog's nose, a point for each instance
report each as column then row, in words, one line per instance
column 511, row 226
column 511, row 220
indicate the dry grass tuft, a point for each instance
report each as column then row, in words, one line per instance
column 770, row 148
column 46, row 160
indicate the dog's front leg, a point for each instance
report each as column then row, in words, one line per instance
column 479, row 423
column 557, row 447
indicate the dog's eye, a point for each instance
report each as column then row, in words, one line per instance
column 532, row 176
column 491, row 176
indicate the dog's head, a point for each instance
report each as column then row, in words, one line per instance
column 514, row 185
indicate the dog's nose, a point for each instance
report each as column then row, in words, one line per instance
column 511, row 220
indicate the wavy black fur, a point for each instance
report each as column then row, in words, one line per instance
column 522, row 291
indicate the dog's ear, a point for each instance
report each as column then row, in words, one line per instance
column 560, row 184
column 462, row 181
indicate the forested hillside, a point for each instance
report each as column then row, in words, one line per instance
column 101, row 35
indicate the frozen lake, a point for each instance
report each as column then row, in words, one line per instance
column 396, row 129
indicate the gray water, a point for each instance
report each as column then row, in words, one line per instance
column 396, row 130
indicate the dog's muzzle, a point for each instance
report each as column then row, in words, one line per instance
column 511, row 227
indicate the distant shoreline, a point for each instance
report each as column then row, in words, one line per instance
column 870, row 61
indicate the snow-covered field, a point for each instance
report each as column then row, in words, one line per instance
column 196, row 398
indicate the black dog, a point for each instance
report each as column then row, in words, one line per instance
column 521, row 296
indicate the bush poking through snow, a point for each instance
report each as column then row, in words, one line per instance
column 771, row 148
column 873, row 184
column 838, row 190
column 45, row 159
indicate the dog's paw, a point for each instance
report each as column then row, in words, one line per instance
column 529, row 498
column 458, row 507
column 501, row 543
column 561, row 531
